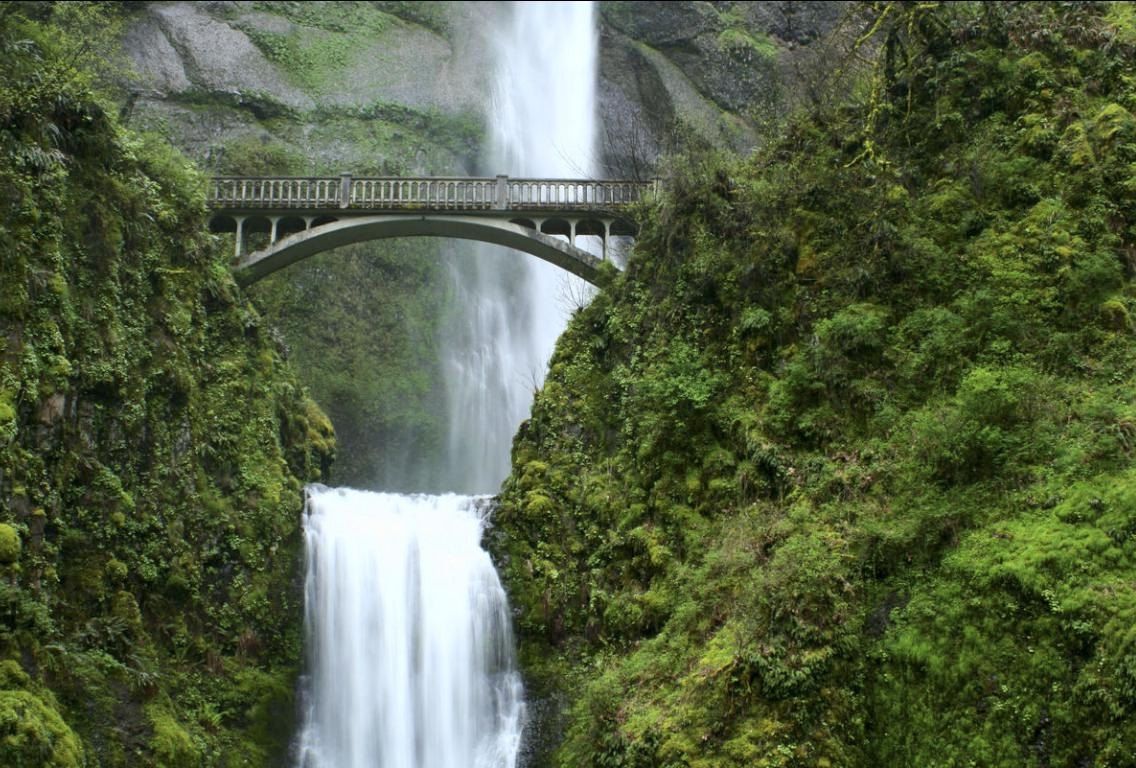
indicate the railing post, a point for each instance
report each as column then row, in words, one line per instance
column 502, row 203
column 344, row 190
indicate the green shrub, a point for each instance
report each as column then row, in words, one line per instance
column 9, row 544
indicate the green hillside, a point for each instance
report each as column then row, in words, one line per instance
column 840, row 471
column 153, row 443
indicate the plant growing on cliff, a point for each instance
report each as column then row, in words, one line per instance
column 152, row 448
column 838, row 471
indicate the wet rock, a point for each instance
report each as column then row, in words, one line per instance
column 52, row 408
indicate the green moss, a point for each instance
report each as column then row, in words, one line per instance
column 740, row 42
column 156, row 470
column 1114, row 315
column 8, row 425
column 9, row 544
column 171, row 744
column 32, row 733
column 12, row 675
column 324, row 41
column 849, row 443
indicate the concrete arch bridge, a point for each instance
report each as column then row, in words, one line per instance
column 303, row 216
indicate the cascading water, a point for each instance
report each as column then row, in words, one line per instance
column 408, row 633
column 542, row 125
column 410, row 654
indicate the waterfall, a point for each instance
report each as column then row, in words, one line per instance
column 541, row 120
column 410, row 660
column 409, row 640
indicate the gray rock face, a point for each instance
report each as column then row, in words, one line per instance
column 705, row 66
column 701, row 66
column 203, row 77
column 412, row 66
column 661, row 24
column 795, row 22
column 155, row 60
column 205, row 47
column 637, row 107
column 217, row 57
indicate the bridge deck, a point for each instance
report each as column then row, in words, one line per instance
column 499, row 195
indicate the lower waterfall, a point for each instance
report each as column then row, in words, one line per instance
column 408, row 636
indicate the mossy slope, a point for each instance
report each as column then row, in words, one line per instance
column 840, row 471
column 153, row 446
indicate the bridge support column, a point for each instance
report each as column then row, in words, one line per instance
column 239, row 237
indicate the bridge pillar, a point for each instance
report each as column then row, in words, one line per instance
column 240, row 237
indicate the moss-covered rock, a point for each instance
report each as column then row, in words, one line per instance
column 9, row 544
column 839, row 471
column 32, row 733
column 153, row 443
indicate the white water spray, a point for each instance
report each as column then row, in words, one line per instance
column 409, row 648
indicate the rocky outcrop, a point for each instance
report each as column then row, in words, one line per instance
column 209, row 55
column 209, row 74
column 670, row 69
column 212, row 47
column 699, row 67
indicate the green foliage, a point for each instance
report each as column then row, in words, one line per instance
column 172, row 744
column 33, row 735
column 375, row 373
column 838, row 472
column 323, row 41
column 740, row 42
column 258, row 156
column 9, row 544
column 153, row 446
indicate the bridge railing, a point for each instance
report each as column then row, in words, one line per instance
column 253, row 192
column 500, row 193
column 571, row 193
column 434, row 193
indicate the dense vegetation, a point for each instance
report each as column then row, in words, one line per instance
column 840, row 471
column 360, row 325
column 153, row 444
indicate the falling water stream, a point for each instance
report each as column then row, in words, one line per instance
column 409, row 649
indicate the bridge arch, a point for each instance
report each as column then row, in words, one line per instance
column 291, row 218
column 356, row 229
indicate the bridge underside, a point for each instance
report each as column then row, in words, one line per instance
column 328, row 234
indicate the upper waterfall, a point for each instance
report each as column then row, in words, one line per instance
column 541, row 118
